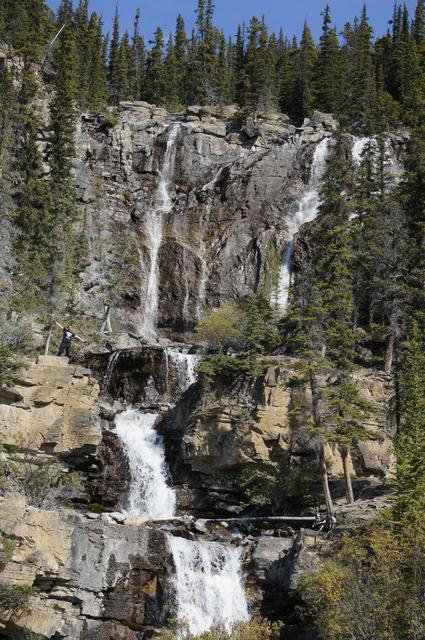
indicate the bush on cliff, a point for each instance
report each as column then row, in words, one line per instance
column 240, row 334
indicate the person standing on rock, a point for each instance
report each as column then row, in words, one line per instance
column 68, row 335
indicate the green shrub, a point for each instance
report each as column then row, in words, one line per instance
column 14, row 599
column 268, row 486
column 45, row 486
column 109, row 118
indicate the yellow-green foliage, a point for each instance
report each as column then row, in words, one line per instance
column 222, row 328
column 372, row 588
column 255, row 630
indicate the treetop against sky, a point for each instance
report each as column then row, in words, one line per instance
column 288, row 14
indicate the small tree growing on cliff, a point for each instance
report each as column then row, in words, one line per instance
column 348, row 409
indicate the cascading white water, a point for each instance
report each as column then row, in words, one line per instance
column 209, row 584
column 186, row 365
column 303, row 211
column 359, row 145
column 154, row 229
column 150, row 493
column 113, row 359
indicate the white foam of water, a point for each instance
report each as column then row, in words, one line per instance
column 304, row 210
column 113, row 359
column 209, row 584
column 154, row 229
column 150, row 493
column 186, row 364
column 359, row 145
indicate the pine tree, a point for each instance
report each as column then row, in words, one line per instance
column 33, row 217
column 63, row 117
column 155, row 89
column 7, row 99
column 333, row 258
column 414, row 207
column 362, row 94
column 348, row 411
column 327, row 73
column 114, row 79
column 206, row 59
column 126, row 66
column 171, row 76
column 139, row 56
column 97, row 71
column 307, row 59
column 82, row 45
column 410, row 446
column 180, row 55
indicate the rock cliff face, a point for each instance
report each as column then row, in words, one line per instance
column 102, row 576
column 231, row 187
column 218, row 201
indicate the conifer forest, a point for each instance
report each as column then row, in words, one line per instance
column 212, row 327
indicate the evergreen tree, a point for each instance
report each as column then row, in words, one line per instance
column 114, row 79
column 410, row 448
column 139, row 56
column 34, row 208
column 180, row 56
column 306, row 62
column 126, row 68
column 156, row 82
column 171, row 76
column 362, row 91
column 97, row 71
column 63, row 117
column 83, row 52
column 327, row 72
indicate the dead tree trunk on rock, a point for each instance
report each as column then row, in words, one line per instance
column 346, row 459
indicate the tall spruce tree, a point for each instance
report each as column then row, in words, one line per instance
column 33, row 218
column 306, row 61
column 63, row 117
column 156, row 81
column 114, row 71
column 327, row 72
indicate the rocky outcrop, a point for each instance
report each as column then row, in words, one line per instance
column 84, row 573
column 216, row 433
column 233, row 183
column 52, row 408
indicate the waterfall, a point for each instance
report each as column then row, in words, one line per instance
column 150, row 493
column 186, row 365
column 154, row 229
column 208, row 583
column 113, row 359
column 359, row 146
column 305, row 210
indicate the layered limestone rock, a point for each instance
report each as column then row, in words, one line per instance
column 216, row 433
column 232, row 185
column 52, row 408
column 84, row 573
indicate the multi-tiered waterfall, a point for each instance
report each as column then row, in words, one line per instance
column 208, row 583
column 208, row 580
column 154, row 226
column 304, row 210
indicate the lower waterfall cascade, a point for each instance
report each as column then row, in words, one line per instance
column 150, row 493
column 208, row 583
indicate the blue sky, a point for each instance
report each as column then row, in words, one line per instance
column 290, row 14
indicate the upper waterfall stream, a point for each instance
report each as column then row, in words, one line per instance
column 303, row 211
column 154, row 227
